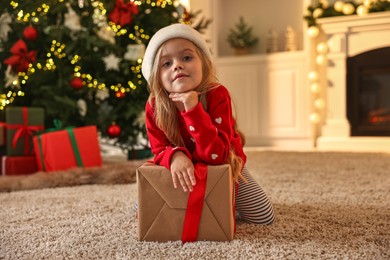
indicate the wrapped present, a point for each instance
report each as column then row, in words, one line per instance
column 2, row 133
column 18, row 165
column 22, row 122
column 169, row 214
column 69, row 148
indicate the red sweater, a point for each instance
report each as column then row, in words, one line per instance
column 208, row 136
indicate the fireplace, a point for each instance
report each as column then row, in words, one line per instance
column 368, row 93
column 356, row 78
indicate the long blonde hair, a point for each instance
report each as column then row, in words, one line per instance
column 165, row 109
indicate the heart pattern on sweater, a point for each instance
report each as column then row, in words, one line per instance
column 214, row 156
column 218, row 120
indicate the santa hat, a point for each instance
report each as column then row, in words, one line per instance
column 167, row 33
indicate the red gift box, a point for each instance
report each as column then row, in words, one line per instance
column 2, row 133
column 18, row 165
column 65, row 149
column 22, row 123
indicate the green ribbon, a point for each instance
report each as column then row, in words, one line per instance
column 73, row 142
column 41, row 152
column 75, row 147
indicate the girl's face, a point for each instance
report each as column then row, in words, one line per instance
column 180, row 66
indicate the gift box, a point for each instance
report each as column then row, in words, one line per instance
column 18, row 165
column 2, row 133
column 68, row 148
column 164, row 211
column 22, row 123
column 138, row 154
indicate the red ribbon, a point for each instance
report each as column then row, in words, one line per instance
column 195, row 205
column 122, row 13
column 24, row 130
column 21, row 57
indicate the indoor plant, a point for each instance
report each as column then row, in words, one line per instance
column 241, row 37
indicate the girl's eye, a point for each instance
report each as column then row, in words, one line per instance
column 166, row 64
column 187, row 58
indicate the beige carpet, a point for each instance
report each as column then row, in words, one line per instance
column 328, row 206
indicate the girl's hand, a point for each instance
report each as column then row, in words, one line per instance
column 183, row 172
column 189, row 99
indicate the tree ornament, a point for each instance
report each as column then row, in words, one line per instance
column 112, row 62
column 99, row 18
column 11, row 79
column 123, row 12
column 114, row 130
column 105, row 33
column 72, row 20
column 134, row 52
column 81, row 3
column 21, row 57
column 30, row 33
column 102, row 94
column 76, row 83
column 82, row 105
column 5, row 28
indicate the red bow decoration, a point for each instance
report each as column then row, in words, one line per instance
column 122, row 13
column 21, row 57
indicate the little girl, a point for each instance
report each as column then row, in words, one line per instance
column 189, row 117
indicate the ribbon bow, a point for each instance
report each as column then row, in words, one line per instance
column 21, row 57
column 122, row 13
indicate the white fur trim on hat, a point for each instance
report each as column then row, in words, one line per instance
column 165, row 34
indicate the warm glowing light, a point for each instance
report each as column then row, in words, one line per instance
column 322, row 48
column 315, row 118
column 313, row 76
column 313, row 31
column 319, row 103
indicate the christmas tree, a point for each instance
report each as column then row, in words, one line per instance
column 241, row 35
column 81, row 60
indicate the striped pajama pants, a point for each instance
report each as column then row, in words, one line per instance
column 252, row 204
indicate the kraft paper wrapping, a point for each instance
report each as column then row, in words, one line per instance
column 162, row 208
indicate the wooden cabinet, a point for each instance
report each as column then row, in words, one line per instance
column 270, row 97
